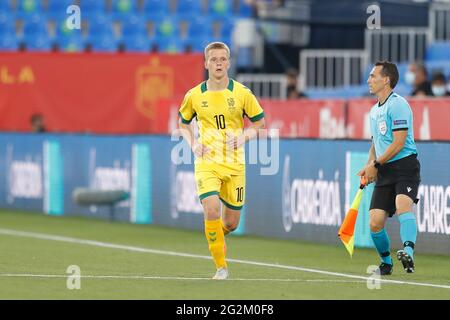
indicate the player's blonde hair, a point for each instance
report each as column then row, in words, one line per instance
column 216, row 45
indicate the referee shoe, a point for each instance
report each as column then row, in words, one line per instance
column 385, row 269
column 406, row 260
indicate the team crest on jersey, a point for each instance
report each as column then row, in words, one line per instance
column 204, row 104
column 231, row 106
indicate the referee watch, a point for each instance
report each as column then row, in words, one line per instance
column 376, row 164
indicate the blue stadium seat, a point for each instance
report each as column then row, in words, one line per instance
column 100, row 24
column 28, row 7
column 5, row 6
column 170, row 45
column 9, row 42
column 102, row 43
column 198, row 44
column 438, row 51
column 245, row 10
column 35, row 24
column 6, row 23
column 37, row 42
column 62, row 29
column 438, row 66
column 123, row 8
column 220, row 8
column 133, row 25
column 58, row 8
column 189, row 8
column 92, row 8
column 167, row 27
column 137, row 43
column 224, row 27
column 343, row 92
column 70, row 43
column 156, row 8
column 196, row 27
column 403, row 89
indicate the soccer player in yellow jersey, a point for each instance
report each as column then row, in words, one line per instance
column 220, row 104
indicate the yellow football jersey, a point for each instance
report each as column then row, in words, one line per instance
column 218, row 112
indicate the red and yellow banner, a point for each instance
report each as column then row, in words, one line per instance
column 98, row 93
column 141, row 93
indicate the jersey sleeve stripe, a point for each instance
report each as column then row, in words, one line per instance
column 257, row 117
column 184, row 120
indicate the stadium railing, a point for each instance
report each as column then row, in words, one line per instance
column 325, row 68
column 265, row 85
column 397, row 44
column 439, row 21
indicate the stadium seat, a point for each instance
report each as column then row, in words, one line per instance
column 167, row 27
column 28, row 7
column 190, row 8
column 92, row 8
column 100, row 24
column 5, row 6
column 245, row 10
column 37, row 42
column 102, row 43
column 62, row 29
column 156, row 8
column 198, row 44
column 58, row 8
column 220, row 8
column 438, row 51
column 343, row 92
column 35, row 24
column 222, row 27
column 71, row 43
column 403, row 89
column 137, row 43
column 438, row 66
column 9, row 42
column 122, row 8
column 6, row 23
column 133, row 25
column 196, row 27
column 170, row 45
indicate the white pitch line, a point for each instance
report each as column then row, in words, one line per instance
column 131, row 277
column 180, row 254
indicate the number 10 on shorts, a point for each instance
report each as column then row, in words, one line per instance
column 240, row 194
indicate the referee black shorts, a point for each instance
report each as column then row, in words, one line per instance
column 397, row 177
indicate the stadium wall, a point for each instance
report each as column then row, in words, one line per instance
column 141, row 94
column 301, row 194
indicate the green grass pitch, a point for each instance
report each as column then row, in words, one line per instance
column 146, row 262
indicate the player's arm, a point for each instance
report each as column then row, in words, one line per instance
column 188, row 134
column 249, row 133
column 186, row 114
column 395, row 147
column 400, row 122
column 369, row 163
column 370, row 171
